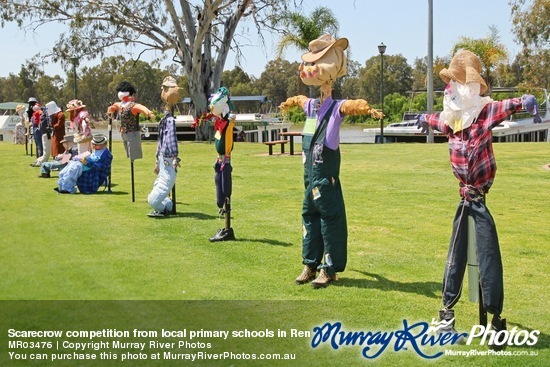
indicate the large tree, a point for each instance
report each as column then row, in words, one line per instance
column 197, row 34
column 531, row 19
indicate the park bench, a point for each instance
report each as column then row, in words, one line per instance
column 270, row 144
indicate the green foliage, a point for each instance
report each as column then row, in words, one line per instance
column 299, row 30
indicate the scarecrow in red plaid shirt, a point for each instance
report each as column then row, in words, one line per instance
column 467, row 119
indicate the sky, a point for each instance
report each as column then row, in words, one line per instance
column 402, row 25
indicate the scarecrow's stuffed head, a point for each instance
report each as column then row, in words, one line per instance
column 170, row 92
column 125, row 91
column 221, row 104
column 462, row 101
column 325, row 61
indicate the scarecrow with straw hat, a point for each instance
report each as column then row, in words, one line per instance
column 324, row 244
column 467, row 119
column 167, row 161
column 81, row 125
column 19, row 130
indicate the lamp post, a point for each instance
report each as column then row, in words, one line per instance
column 382, row 49
column 74, row 61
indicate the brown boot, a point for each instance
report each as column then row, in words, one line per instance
column 324, row 279
column 308, row 274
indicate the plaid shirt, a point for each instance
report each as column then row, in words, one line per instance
column 90, row 181
column 471, row 150
column 167, row 140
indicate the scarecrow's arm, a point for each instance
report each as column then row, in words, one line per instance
column 293, row 101
column 354, row 107
column 139, row 108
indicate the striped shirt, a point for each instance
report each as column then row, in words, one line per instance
column 471, row 150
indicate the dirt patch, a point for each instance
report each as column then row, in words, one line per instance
column 546, row 166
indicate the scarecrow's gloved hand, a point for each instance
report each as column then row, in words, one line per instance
column 421, row 123
column 530, row 105
column 176, row 164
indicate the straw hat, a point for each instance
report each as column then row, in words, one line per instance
column 19, row 107
column 75, row 105
column 169, row 81
column 320, row 46
column 465, row 67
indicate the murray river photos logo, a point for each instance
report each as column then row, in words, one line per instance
column 417, row 337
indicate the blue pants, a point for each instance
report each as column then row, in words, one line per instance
column 222, row 179
column 166, row 178
column 38, row 141
column 488, row 256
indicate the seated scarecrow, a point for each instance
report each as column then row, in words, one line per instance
column 87, row 171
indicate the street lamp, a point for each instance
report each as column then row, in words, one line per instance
column 382, row 49
column 74, row 61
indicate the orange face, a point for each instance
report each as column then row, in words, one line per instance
column 326, row 69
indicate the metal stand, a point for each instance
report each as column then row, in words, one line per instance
column 227, row 213
column 474, row 286
column 174, row 198
column 110, row 149
column 132, row 174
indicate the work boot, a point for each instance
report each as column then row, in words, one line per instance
column 44, row 175
column 498, row 324
column 223, row 235
column 447, row 324
column 324, row 279
column 308, row 274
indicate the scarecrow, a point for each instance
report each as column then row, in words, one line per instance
column 129, row 119
column 130, row 131
column 224, row 123
column 81, row 125
column 20, row 130
column 87, row 170
column 467, row 119
column 57, row 123
column 32, row 130
column 324, row 245
column 168, row 162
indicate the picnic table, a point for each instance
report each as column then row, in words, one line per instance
column 291, row 135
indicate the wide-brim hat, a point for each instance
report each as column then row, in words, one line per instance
column 465, row 67
column 169, row 81
column 52, row 108
column 99, row 139
column 67, row 138
column 20, row 107
column 75, row 104
column 320, row 46
column 32, row 99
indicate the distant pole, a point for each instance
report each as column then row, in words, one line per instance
column 74, row 60
column 382, row 49
column 430, row 87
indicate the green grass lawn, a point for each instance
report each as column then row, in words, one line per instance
column 400, row 201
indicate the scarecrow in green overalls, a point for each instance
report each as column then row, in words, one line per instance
column 324, row 246
column 224, row 123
